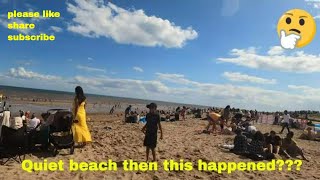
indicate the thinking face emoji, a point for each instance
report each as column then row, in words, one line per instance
column 296, row 28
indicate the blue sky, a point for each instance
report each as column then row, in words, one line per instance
column 208, row 52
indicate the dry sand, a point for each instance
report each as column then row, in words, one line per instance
column 181, row 141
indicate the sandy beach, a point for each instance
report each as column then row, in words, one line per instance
column 117, row 141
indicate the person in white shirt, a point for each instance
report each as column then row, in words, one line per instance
column 33, row 122
column 285, row 122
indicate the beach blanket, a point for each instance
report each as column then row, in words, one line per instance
column 317, row 128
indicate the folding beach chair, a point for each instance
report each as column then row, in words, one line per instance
column 14, row 143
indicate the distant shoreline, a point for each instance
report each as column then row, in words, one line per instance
column 33, row 91
column 40, row 100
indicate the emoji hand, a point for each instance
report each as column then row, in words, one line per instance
column 290, row 41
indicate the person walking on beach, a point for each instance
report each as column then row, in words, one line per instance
column 150, row 129
column 81, row 133
column 183, row 113
column 112, row 110
column 286, row 120
column 225, row 116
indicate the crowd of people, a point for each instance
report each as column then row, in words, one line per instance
column 249, row 141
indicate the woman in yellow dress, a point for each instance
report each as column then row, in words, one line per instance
column 81, row 133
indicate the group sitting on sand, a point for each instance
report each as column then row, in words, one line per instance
column 267, row 147
column 252, row 143
column 31, row 123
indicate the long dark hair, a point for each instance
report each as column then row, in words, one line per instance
column 79, row 95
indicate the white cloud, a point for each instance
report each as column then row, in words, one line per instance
column 22, row 73
column 90, row 58
column 310, row 91
column 95, row 19
column 119, row 85
column 314, row 3
column 56, row 29
column 297, row 62
column 138, row 69
column 316, row 6
column 4, row 22
column 175, row 78
column 239, row 77
column 249, row 97
column 275, row 50
column 189, row 91
column 90, row 69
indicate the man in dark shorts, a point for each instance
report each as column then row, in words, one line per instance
column 151, row 130
column 273, row 143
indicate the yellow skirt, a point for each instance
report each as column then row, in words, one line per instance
column 80, row 129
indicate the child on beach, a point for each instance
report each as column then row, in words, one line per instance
column 151, row 130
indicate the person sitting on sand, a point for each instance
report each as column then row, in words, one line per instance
column 256, row 145
column 290, row 148
column 27, row 116
column 17, row 123
column 309, row 134
column 150, row 129
column 168, row 116
column 240, row 143
column 249, row 130
column 238, row 116
column 273, row 143
column 81, row 133
column 233, row 126
column 33, row 123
